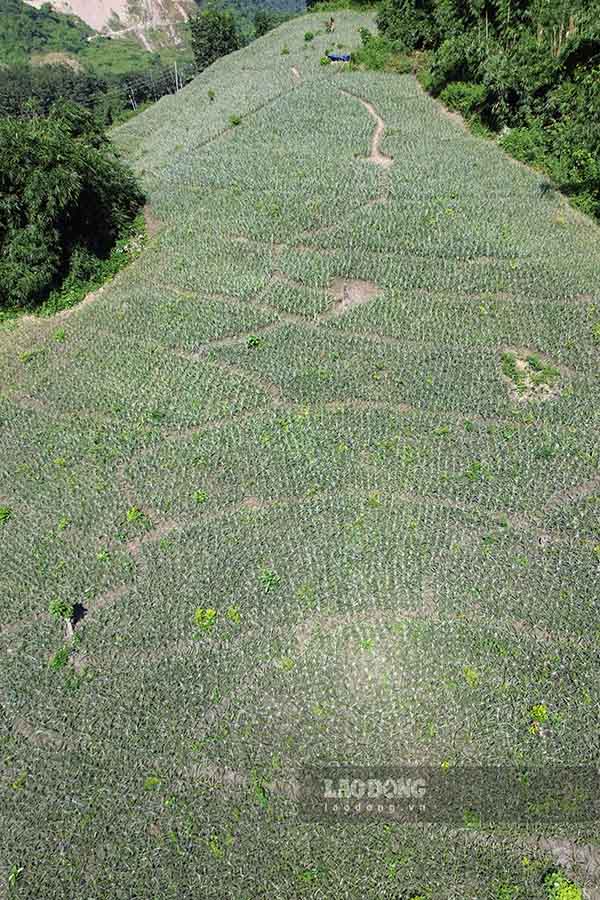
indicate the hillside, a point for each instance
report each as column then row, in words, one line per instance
column 27, row 31
column 318, row 477
column 155, row 23
column 38, row 35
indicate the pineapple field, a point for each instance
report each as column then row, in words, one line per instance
column 313, row 482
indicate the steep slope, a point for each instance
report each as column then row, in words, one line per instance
column 320, row 473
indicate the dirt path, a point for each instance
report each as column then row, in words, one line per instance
column 376, row 157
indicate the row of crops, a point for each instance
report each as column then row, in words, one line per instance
column 295, row 531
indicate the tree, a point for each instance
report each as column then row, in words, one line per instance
column 64, row 199
column 214, row 34
column 264, row 21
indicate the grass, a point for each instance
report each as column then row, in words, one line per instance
column 277, row 558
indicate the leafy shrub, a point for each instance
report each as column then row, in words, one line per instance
column 308, row 36
column 205, row 618
column 61, row 609
column 265, row 20
column 379, row 53
column 64, row 198
column 214, row 34
column 235, row 120
column 527, row 144
column 407, row 21
column 558, row 887
column 5, row 514
column 467, row 99
column 458, row 58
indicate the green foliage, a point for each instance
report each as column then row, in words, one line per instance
column 61, row 609
column 270, row 580
column 467, row 99
column 308, row 36
column 60, row 659
column 214, row 34
column 73, row 289
column 528, row 68
column 64, row 198
column 234, row 615
column 235, row 120
column 205, row 618
column 264, row 21
column 25, row 30
column 407, row 21
column 134, row 514
column 379, row 53
column 151, row 782
column 539, row 713
column 5, row 514
column 558, row 887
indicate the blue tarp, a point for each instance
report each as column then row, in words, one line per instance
column 339, row 57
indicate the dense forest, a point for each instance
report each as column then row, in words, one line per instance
column 527, row 69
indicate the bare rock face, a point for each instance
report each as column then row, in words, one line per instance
column 133, row 18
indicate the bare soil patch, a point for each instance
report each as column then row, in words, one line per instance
column 350, row 292
column 530, row 375
column 153, row 225
column 376, row 156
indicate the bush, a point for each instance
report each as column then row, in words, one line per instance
column 264, row 21
column 465, row 98
column 64, row 199
column 527, row 144
column 308, row 36
column 558, row 887
column 214, row 34
column 379, row 53
column 458, row 58
column 408, row 21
